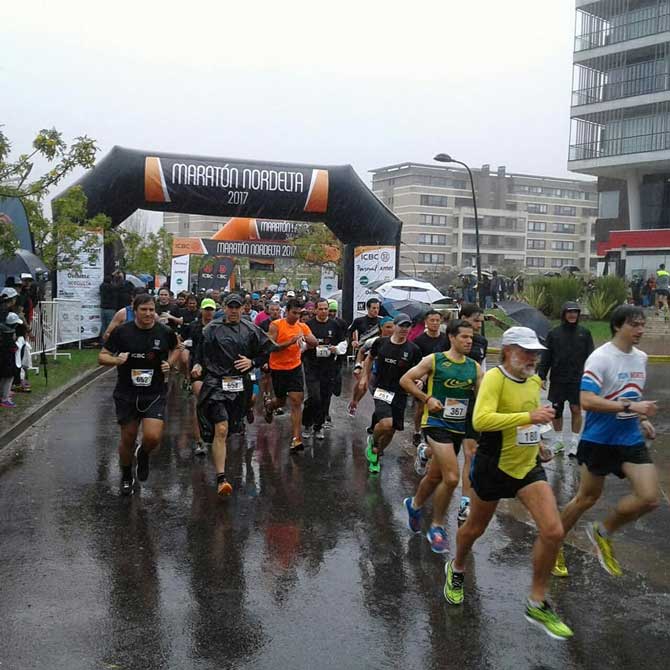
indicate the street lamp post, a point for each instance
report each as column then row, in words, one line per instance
column 446, row 158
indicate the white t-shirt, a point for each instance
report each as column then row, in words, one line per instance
column 615, row 375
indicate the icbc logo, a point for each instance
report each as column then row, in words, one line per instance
column 386, row 256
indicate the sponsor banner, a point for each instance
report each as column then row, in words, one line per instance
column 242, row 228
column 84, row 285
column 244, row 187
column 371, row 264
column 328, row 282
column 179, row 274
column 215, row 272
column 246, row 248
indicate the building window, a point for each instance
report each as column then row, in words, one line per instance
column 536, row 244
column 458, row 184
column 434, row 201
column 433, row 219
column 565, row 228
column 438, row 181
column 564, row 210
column 589, row 211
column 562, row 245
column 537, row 208
column 432, row 259
column 537, row 226
column 535, row 262
column 560, row 262
column 463, row 202
column 608, row 205
column 427, row 238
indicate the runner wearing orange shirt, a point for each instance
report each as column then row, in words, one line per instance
column 286, row 368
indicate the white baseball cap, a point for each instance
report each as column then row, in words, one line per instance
column 26, row 275
column 8, row 293
column 290, row 294
column 275, row 298
column 522, row 337
column 13, row 319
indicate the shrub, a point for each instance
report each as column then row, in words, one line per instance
column 600, row 305
column 613, row 289
column 535, row 295
column 559, row 291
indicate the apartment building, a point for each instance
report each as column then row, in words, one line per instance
column 538, row 223
column 193, row 225
column 620, row 126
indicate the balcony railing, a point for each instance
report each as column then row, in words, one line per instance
column 622, row 33
column 620, row 146
column 621, row 89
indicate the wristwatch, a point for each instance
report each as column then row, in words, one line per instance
column 626, row 405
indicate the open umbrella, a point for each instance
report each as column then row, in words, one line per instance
column 407, row 289
column 412, row 308
column 527, row 316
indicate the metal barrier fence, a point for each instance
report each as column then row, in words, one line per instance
column 55, row 322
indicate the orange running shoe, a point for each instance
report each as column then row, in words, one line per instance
column 224, row 488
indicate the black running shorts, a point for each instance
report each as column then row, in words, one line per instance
column 287, row 381
column 491, row 483
column 608, row 459
column 135, row 407
column 444, row 436
column 470, row 432
column 560, row 392
column 215, row 406
column 394, row 410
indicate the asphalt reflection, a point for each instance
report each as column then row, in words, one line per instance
column 308, row 565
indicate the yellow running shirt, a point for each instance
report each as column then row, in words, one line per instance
column 502, row 414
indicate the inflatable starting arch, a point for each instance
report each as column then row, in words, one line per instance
column 126, row 180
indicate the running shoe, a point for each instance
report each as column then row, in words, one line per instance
column 463, row 511
column 127, row 486
column 416, row 439
column 453, row 585
column 560, row 568
column 9, row 404
column 351, row 409
column 142, row 459
column 421, row 460
column 604, row 550
column 413, row 516
column 296, row 446
column 328, row 423
column 268, row 411
column 251, row 417
column 224, row 488
column 374, row 466
column 200, row 449
column 319, row 434
column 306, row 434
column 546, row 618
column 437, row 537
column 279, row 411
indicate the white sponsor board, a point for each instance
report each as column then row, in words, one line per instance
column 371, row 264
column 179, row 274
column 84, row 285
column 328, row 282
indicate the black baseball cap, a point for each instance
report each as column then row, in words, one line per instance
column 233, row 298
column 402, row 320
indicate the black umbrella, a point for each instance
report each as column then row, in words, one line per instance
column 413, row 308
column 23, row 261
column 527, row 316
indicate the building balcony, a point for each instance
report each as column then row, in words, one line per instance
column 620, row 146
column 609, row 22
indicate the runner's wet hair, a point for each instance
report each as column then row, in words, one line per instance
column 454, row 326
column 142, row 299
column 625, row 314
column 372, row 301
column 470, row 309
column 294, row 303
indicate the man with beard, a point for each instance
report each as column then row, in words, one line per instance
column 507, row 465
column 320, row 366
column 223, row 358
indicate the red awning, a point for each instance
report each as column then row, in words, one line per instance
column 651, row 240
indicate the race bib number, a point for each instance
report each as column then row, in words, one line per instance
column 455, row 408
column 253, row 376
column 383, row 395
column 141, row 377
column 322, row 351
column 188, row 343
column 528, row 436
column 232, row 384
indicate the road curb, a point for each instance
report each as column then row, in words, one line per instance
column 49, row 403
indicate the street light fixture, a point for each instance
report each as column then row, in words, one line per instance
column 446, row 158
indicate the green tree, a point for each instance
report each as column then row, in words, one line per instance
column 317, row 246
column 151, row 254
column 16, row 176
column 63, row 239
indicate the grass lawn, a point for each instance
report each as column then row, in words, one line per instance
column 60, row 372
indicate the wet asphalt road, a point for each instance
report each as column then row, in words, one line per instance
column 308, row 565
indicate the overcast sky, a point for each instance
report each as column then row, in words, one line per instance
column 367, row 83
